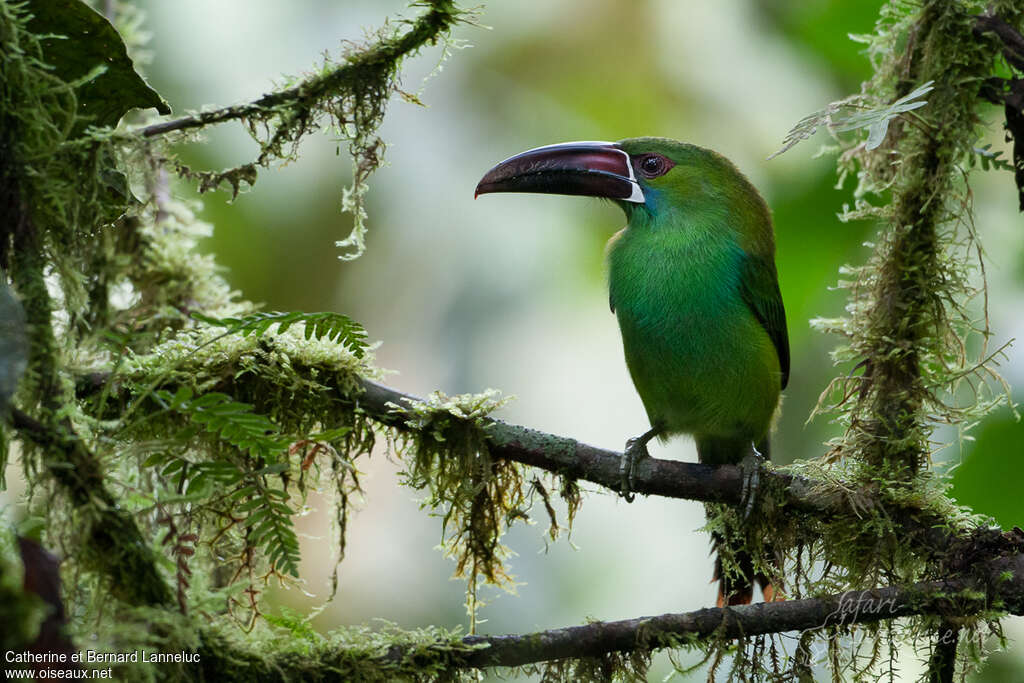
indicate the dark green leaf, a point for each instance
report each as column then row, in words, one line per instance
column 83, row 47
column 249, row 506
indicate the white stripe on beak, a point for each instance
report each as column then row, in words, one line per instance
column 637, row 194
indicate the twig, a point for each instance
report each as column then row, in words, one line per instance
column 942, row 665
column 425, row 30
column 851, row 607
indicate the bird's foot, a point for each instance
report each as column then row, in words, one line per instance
column 751, row 466
column 636, row 450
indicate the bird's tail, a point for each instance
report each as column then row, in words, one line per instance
column 737, row 574
column 736, row 586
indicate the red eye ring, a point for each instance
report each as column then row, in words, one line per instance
column 653, row 165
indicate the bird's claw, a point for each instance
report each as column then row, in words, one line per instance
column 636, row 450
column 751, row 466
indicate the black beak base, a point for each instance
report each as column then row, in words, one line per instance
column 591, row 169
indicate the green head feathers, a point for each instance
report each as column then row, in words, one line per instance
column 658, row 182
column 689, row 186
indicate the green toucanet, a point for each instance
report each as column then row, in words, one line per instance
column 693, row 284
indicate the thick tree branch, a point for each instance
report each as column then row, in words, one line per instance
column 654, row 476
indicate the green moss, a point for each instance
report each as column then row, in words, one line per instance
column 349, row 95
column 911, row 318
column 476, row 496
column 169, row 458
column 616, row 666
column 910, row 313
column 275, row 653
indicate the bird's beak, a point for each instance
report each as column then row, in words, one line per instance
column 591, row 169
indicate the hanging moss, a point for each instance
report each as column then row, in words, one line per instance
column 167, row 458
column 910, row 318
column 910, row 313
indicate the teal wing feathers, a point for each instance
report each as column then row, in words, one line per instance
column 759, row 287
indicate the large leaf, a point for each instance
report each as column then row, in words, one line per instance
column 79, row 42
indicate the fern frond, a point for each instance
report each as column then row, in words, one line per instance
column 230, row 420
column 336, row 327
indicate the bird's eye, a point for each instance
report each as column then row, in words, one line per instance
column 654, row 165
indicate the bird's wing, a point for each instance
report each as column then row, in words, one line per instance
column 759, row 286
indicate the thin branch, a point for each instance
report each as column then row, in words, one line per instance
column 428, row 29
column 961, row 596
column 997, row 584
column 942, row 664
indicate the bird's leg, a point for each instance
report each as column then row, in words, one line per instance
column 636, row 450
column 751, row 466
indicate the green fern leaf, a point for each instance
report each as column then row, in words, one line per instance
column 232, row 421
column 335, row 327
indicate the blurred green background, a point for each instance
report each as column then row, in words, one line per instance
column 508, row 291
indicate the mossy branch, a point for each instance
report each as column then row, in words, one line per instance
column 909, row 323
column 996, row 585
column 700, row 482
column 427, row 30
column 116, row 547
column 352, row 95
column 987, row 590
column 909, row 316
column 657, row 477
